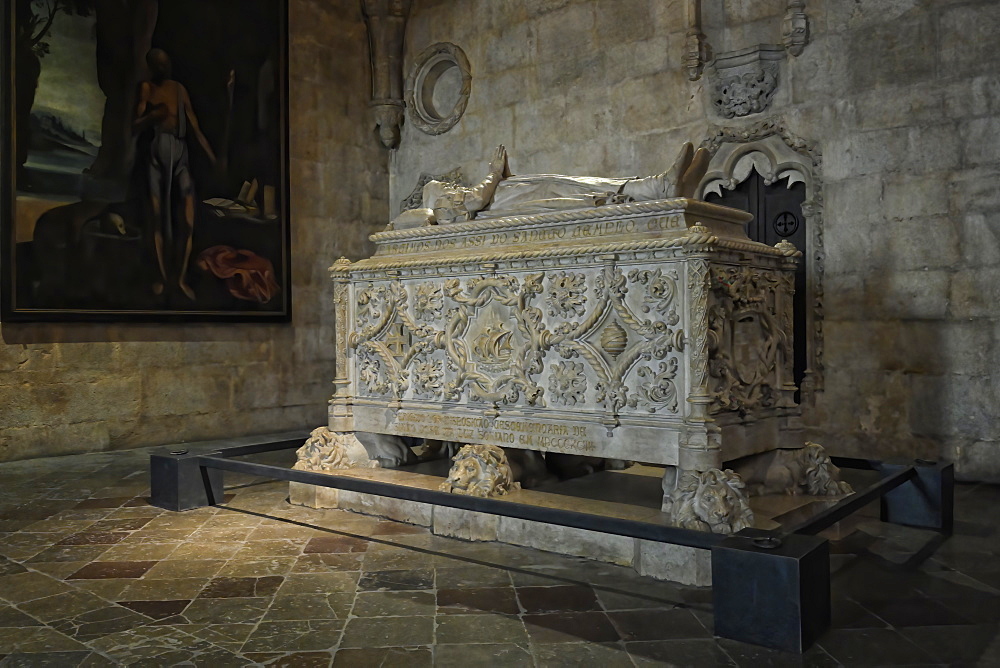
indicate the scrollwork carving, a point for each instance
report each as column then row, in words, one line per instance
column 658, row 391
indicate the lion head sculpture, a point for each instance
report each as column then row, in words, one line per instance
column 821, row 476
column 480, row 470
column 327, row 450
column 711, row 500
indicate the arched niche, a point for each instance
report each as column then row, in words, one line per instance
column 776, row 155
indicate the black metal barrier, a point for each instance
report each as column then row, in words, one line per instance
column 769, row 588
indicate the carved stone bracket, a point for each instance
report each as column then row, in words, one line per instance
column 744, row 81
column 386, row 21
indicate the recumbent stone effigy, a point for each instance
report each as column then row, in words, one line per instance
column 602, row 317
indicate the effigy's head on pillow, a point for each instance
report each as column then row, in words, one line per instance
column 480, row 470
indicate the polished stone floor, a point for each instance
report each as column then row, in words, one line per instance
column 91, row 575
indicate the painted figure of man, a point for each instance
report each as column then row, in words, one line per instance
column 164, row 106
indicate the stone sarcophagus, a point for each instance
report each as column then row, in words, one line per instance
column 652, row 331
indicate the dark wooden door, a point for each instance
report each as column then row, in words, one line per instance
column 777, row 215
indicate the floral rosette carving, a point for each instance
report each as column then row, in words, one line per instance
column 567, row 294
column 568, row 384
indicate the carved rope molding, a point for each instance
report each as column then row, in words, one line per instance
column 699, row 241
column 811, row 167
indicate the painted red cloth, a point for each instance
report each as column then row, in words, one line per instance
column 247, row 275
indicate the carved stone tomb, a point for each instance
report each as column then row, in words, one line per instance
column 651, row 331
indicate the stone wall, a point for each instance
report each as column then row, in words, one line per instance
column 901, row 97
column 78, row 388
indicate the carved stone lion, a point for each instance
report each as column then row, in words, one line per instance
column 806, row 470
column 710, row 500
column 480, row 470
column 327, row 450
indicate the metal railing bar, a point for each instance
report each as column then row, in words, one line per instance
column 850, row 504
column 569, row 518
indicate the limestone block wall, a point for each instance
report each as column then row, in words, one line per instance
column 77, row 388
column 901, row 98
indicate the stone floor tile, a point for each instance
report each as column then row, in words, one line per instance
column 61, row 606
column 305, row 606
column 570, row 627
column 9, row 567
column 560, row 598
column 914, row 611
column 605, row 655
column 137, row 551
column 100, row 570
column 492, row 655
column 112, row 589
column 976, row 644
column 148, row 589
column 197, row 550
column 163, row 646
column 501, row 600
column 335, row 544
column 388, row 632
column 395, row 558
column 754, row 656
column 94, row 538
column 471, row 576
column 319, row 583
column 323, row 563
column 671, row 624
column 272, row 547
column 471, row 629
column 271, row 566
column 191, row 568
column 376, row 657
column 28, row 586
column 229, row 587
column 120, row 523
column 58, row 569
column 294, row 659
column 11, row 617
column 110, row 502
column 853, row 647
column 295, row 636
column 101, row 622
column 397, row 580
column 223, row 635
column 394, row 603
column 157, row 609
column 46, row 659
column 704, row 652
column 75, row 553
column 226, row 610
column 42, row 639
column 615, row 600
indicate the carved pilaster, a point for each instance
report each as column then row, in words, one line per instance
column 695, row 44
column 795, row 27
column 341, row 415
column 386, row 20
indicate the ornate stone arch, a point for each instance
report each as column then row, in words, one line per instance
column 776, row 153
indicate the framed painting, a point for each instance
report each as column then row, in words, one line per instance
column 145, row 161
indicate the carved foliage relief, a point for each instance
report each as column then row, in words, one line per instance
column 602, row 339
